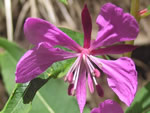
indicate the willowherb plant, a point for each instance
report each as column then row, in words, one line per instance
column 114, row 26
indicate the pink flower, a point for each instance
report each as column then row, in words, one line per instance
column 108, row 106
column 114, row 26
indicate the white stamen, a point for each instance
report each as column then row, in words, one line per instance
column 76, row 67
column 94, row 79
column 77, row 76
column 95, row 60
column 91, row 67
column 92, row 58
column 73, row 66
column 84, row 58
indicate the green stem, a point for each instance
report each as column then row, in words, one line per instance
column 45, row 103
column 135, row 9
column 134, row 12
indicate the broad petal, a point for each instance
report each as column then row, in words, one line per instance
column 108, row 106
column 81, row 89
column 38, row 30
column 36, row 61
column 122, row 77
column 87, row 26
column 114, row 26
column 116, row 49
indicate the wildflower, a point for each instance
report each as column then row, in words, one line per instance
column 108, row 106
column 114, row 26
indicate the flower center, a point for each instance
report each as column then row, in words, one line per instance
column 84, row 60
column 85, row 51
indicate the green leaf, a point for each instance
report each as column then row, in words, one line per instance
column 64, row 1
column 7, row 65
column 8, row 62
column 78, row 37
column 53, row 97
column 141, row 103
column 32, row 88
column 15, row 51
column 59, row 69
column 15, row 102
column 20, row 100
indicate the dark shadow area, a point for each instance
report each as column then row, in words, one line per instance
column 142, row 60
column 32, row 88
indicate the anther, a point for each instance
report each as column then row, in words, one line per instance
column 96, row 73
column 99, row 90
column 70, row 89
column 70, row 77
column 66, row 78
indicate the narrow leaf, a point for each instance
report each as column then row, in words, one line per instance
column 15, row 102
column 32, row 88
column 14, row 50
column 7, row 65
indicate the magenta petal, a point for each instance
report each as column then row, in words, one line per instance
column 81, row 89
column 122, row 77
column 116, row 49
column 108, row 106
column 95, row 110
column 38, row 30
column 36, row 61
column 114, row 26
column 87, row 26
column 90, row 83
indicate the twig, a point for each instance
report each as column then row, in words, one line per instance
column 33, row 8
column 21, row 19
column 42, row 11
column 50, row 10
column 66, row 14
column 9, row 22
